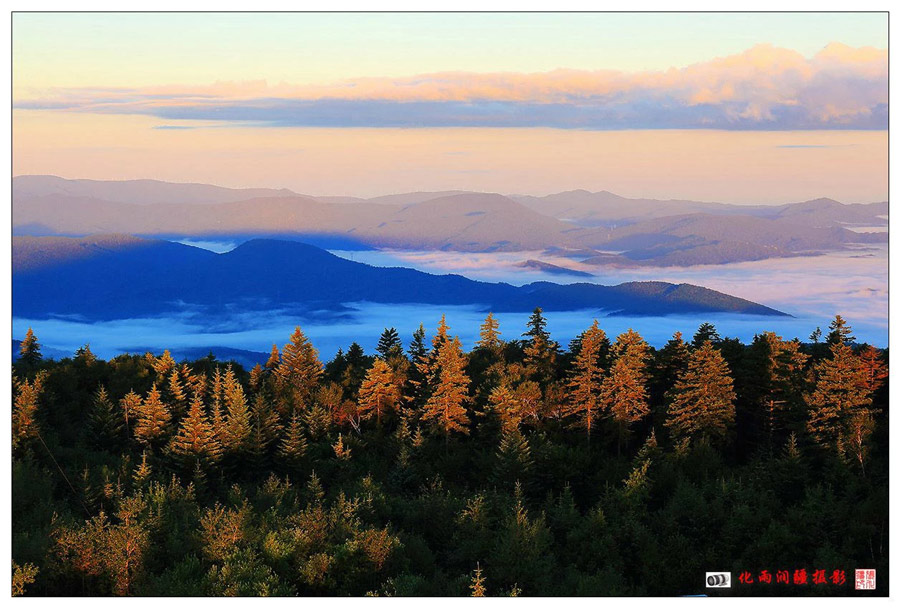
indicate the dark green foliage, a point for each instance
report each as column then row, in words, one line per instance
column 243, row 492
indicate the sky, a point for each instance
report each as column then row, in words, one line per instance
column 747, row 108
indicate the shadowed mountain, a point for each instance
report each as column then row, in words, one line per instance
column 116, row 277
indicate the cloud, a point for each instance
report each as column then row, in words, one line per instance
column 765, row 87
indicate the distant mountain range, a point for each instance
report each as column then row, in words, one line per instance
column 600, row 227
column 119, row 277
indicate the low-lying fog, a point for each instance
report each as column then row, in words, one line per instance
column 812, row 289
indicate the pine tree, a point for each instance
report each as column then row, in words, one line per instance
column 30, row 350
column 237, row 423
column 24, row 410
column 195, row 443
column 379, row 392
column 417, row 349
column 701, row 404
column 477, row 585
column 130, row 405
column 586, row 379
column 299, row 371
column 389, row 344
column 164, row 364
column 705, row 333
column 489, row 335
column 85, row 356
column 105, row 421
column 540, row 351
column 274, row 359
column 624, row 391
column 153, row 419
column 445, row 408
column 265, row 428
column 840, row 396
column 874, row 369
column 839, row 332
column 514, row 460
column 293, row 446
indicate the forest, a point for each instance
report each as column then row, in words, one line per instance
column 605, row 467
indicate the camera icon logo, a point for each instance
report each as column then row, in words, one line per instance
column 718, row 580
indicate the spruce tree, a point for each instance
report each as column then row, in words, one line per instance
column 30, row 350
column 489, row 335
column 195, row 443
column 701, row 404
column 293, row 446
column 445, row 408
column 839, row 396
column 705, row 333
column 586, row 379
column 105, row 421
column 839, row 331
column 389, row 344
column 153, row 419
column 540, row 350
column 237, row 423
column 299, row 371
column 624, row 391
column 379, row 392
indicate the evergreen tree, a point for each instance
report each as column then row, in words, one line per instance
column 163, row 364
column 540, row 351
column 389, row 344
column 292, row 447
column 586, row 379
column 30, row 350
column 445, row 408
column 106, row 423
column 24, row 410
column 85, row 355
column 514, row 460
column 705, row 333
column 130, row 404
column 379, row 392
column 839, row 331
column 196, row 443
column 840, row 397
column 489, row 335
column 237, row 423
column 153, row 419
column 701, row 404
column 265, row 428
column 274, row 359
column 624, row 392
column 874, row 369
column 299, row 371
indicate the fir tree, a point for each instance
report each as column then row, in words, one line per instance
column 839, row 397
column 540, row 351
column 106, row 423
column 85, row 356
column 839, row 331
column 477, row 584
column 379, row 392
column 705, row 333
column 389, row 344
column 445, row 408
column 195, row 443
column 237, row 423
column 701, row 404
column 163, row 364
column 24, row 410
column 153, row 419
column 30, row 350
column 874, row 369
column 265, row 428
column 274, row 359
column 489, row 335
column 299, row 370
column 586, row 379
column 293, row 446
column 130, row 404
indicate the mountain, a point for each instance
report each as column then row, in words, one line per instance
column 136, row 192
column 642, row 231
column 118, row 277
column 611, row 210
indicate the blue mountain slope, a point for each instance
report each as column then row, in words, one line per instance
column 115, row 277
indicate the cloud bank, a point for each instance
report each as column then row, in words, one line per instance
column 765, row 87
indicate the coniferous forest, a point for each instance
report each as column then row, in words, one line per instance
column 522, row 467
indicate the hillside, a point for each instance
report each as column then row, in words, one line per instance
column 159, row 277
